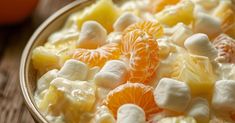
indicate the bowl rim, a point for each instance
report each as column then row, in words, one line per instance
column 28, row 97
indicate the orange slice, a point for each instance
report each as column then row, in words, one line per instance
column 141, row 50
column 152, row 28
column 226, row 48
column 132, row 93
column 97, row 57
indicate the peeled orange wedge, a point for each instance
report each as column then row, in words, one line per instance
column 132, row 93
column 97, row 57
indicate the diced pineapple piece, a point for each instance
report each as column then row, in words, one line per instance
column 158, row 5
column 182, row 12
column 44, row 81
column 222, row 8
column 96, row 12
column 197, row 71
column 80, row 94
column 178, row 120
column 45, row 59
column 180, row 33
column 71, row 98
column 225, row 12
column 103, row 115
column 52, row 101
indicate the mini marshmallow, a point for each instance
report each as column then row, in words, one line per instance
column 92, row 35
column 199, row 109
column 199, row 44
column 124, row 21
column 103, row 115
column 112, row 74
column 224, row 95
column 44, row 82
column 207, row 24
column 130, row 113
column 73, row 70
column 172, row 94
column 180, row 34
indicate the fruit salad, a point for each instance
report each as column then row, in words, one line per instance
column 140, row 61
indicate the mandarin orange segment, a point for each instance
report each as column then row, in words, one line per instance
column 132, row 93
column 158, row 5
column 152, row 28
column 226, row 48
column 142, row 52
column 97, row 57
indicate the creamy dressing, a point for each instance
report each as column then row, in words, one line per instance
column 168, row 53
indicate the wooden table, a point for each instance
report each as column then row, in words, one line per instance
column 12, row 42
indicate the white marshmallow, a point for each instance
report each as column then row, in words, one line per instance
column 130, row 113
column 199, row 44
column 92, row 35
column 207, row 24
column 73, row 70
column 224, row 95
column 180, row 34
column 199, row 109
column 103, row 115
column 124, row 21
column 112, row 74
column 172, row 94
column 44, row 82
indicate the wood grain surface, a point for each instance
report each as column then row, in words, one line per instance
column 13, row 39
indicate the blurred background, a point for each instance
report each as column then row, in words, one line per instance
column 18, row 20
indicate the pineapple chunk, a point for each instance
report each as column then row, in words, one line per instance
column 70, row 98
column 103, row 115
column 197, row 72
column 178, row 120
column 182, row 12
column 158, row 5
column 45, row 59
column 52, row 101
column 96, row 13
column 79, row 94
column 226, row 14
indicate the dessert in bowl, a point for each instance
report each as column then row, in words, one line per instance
column 135, row 62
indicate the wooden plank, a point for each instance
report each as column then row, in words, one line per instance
column 12, row 42
column 12, row 107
